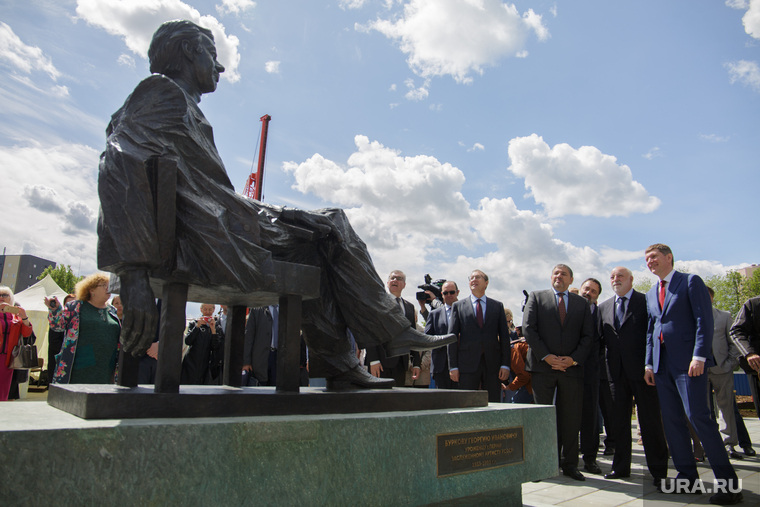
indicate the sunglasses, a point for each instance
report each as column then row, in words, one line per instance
column 449, row 292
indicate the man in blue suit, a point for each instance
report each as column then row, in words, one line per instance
column 679, row 349
column 437, row 322
column 480, row 357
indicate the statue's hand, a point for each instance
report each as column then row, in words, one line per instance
column 140, row 314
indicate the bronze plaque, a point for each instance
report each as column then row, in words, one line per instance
column 459, row 453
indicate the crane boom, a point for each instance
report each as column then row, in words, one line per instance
column 253, row 185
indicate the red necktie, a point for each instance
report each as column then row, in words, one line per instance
column 479, row 313
column 561, row 307
column 662, row 302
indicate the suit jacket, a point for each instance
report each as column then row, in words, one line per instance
column 547, row 335
column 685, row 321
column 377, row 353
column 491, row 341
column 724, row 350
column 438, row 324
column 745, row 332
column 625, row 348
column 258, row 341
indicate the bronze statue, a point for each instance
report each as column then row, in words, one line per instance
column 224, row 239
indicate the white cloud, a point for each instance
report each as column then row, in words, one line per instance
column 234, row 6
column 126, row 60
column 477, row 147
column 416, row 94
column 59, row 91
column 744, row 72
column 653, row 153
column 42, row 198
column 272, row 67
column 136, row 21
column 714, row 138
column 412, row 214
column 23, row 57
column 55, row 188
column 351, row 4
column 459, row 37
column 392, row 88
column 581, row 181
column 751, row 18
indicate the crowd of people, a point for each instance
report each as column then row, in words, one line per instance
column 665, row 353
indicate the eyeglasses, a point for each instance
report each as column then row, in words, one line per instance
column 397, row 278
column 449, row 292
column 4, row 295
column 104, row 285
column 476, row 277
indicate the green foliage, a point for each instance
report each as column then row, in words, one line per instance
column 63, row 276
column 643, row 286
column 732, row 290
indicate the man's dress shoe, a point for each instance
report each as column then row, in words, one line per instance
column 616, row 475
column 726, row 498
column 592, row 467
column 749, row 451
column 732, row 452
column 573, row 473
column 358, row 378
column 412, row 339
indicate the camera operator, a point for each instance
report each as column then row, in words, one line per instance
column 430, row 295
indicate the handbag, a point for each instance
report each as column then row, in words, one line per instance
column 24, row 355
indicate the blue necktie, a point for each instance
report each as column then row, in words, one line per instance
column 619, row 312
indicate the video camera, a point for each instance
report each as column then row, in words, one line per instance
column 434, row 287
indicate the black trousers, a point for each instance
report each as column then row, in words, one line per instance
column 569, row 397
column 482, row 379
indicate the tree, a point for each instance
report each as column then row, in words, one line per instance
column 63, row 276
column 643, row 286
column 732, row 290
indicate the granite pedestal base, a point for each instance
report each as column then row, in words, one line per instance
column 391, row 458
column 98, row 401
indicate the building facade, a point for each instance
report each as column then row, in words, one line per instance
column 20, row 272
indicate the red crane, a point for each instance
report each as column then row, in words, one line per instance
column 253, row 185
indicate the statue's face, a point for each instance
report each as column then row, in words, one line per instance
column 206, row 69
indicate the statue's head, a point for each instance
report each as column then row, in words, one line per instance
column 183, row 50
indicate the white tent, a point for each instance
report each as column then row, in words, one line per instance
column 33, row 301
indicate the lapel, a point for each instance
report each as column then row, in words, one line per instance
column 467, row 310
column 551, row 300
column 654, row 306
column 671, row 289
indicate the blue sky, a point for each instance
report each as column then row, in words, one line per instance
column 457, row 134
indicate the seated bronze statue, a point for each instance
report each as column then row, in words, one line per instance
column 223, row 239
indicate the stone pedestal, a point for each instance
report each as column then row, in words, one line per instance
column 390, row 458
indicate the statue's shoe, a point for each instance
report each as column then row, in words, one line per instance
column 412, row 339
column 358, row 378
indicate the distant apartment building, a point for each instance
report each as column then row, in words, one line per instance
column 748, row 271
column 20, row 272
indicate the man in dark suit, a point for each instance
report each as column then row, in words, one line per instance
column 558, row 327
column 745, row 334
column 259, row 346
column 380, row 365
column 436, row 323
column 623, row 327
column 590, row 290
column 679, row 349
column 480, row 357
